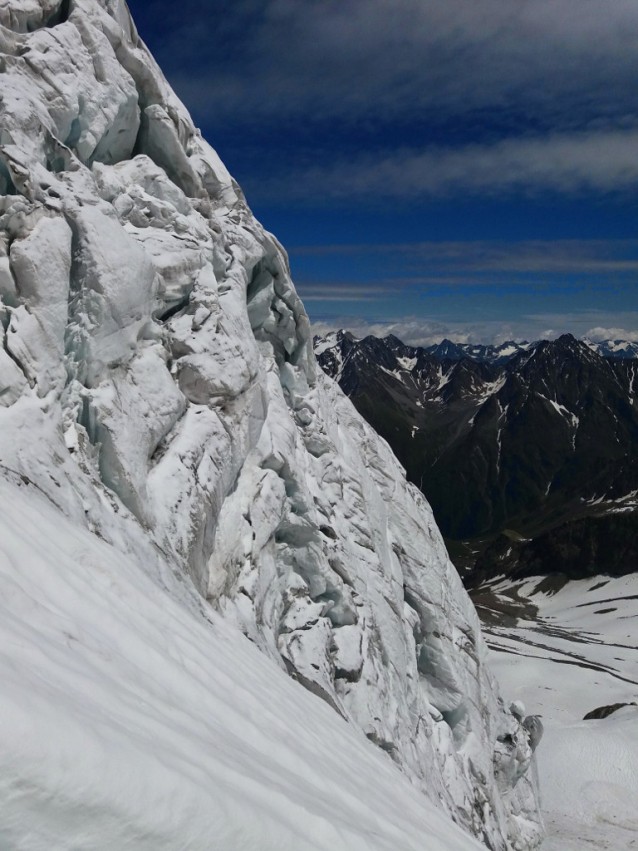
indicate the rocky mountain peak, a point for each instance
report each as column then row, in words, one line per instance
column 544, row 433
column 393, row 341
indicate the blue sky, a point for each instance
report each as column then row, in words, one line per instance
column 462, row 168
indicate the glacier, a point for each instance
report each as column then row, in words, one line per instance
column 194, row 516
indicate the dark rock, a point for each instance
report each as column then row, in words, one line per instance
column 578, row 549
column 534, row 727
column 605, row 711
column 525, row 445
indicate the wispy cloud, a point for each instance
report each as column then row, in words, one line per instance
column 491, row 97
column 279, row 59
column 337, row 291
column 560, row 256
column 565, row 163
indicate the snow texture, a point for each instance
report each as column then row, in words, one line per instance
column 178, row 472
column 576, row 654
column 133, row 721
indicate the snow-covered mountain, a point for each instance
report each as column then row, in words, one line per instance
column 447, row 350
column 500, row 354
column 195, row 516
column 614, row 348
column 556, row 604
column 547, row 437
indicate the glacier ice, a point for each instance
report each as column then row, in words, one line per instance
column 158, row 389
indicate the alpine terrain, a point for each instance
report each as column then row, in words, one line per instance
column 534, row 460
column 228, row 621
column 542, row 446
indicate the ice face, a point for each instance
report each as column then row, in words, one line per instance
column 158, row 387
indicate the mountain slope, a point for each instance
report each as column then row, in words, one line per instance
column 131, row 721
column 447, row 350
column 615, row 348
column 528, row 444
column 158, row 390
column 501, row 354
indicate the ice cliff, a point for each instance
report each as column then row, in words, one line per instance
column 176, row 472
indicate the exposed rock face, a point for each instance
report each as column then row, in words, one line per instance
column 447, row 350
column 605, row 711
column 158, row 385
column 523, row 445
column 579, row 549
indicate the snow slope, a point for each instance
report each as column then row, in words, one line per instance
column 574, row 652
column 131, row 720
column 158, row 388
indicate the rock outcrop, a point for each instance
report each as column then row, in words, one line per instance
column 158, row 386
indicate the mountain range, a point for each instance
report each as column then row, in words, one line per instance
column 498, row 354
column 503, row 352
column 522, row 438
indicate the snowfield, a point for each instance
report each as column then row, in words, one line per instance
column 578, row 652
column 589, row 777
column 133, row 721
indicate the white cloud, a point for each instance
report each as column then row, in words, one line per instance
column 546, row 86
column 596, row 335
column 419, row 331
column 394, row 58
column 568, row 163
column 568, row 256
column 335, row 291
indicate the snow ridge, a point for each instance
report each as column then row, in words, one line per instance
column 158, row 387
